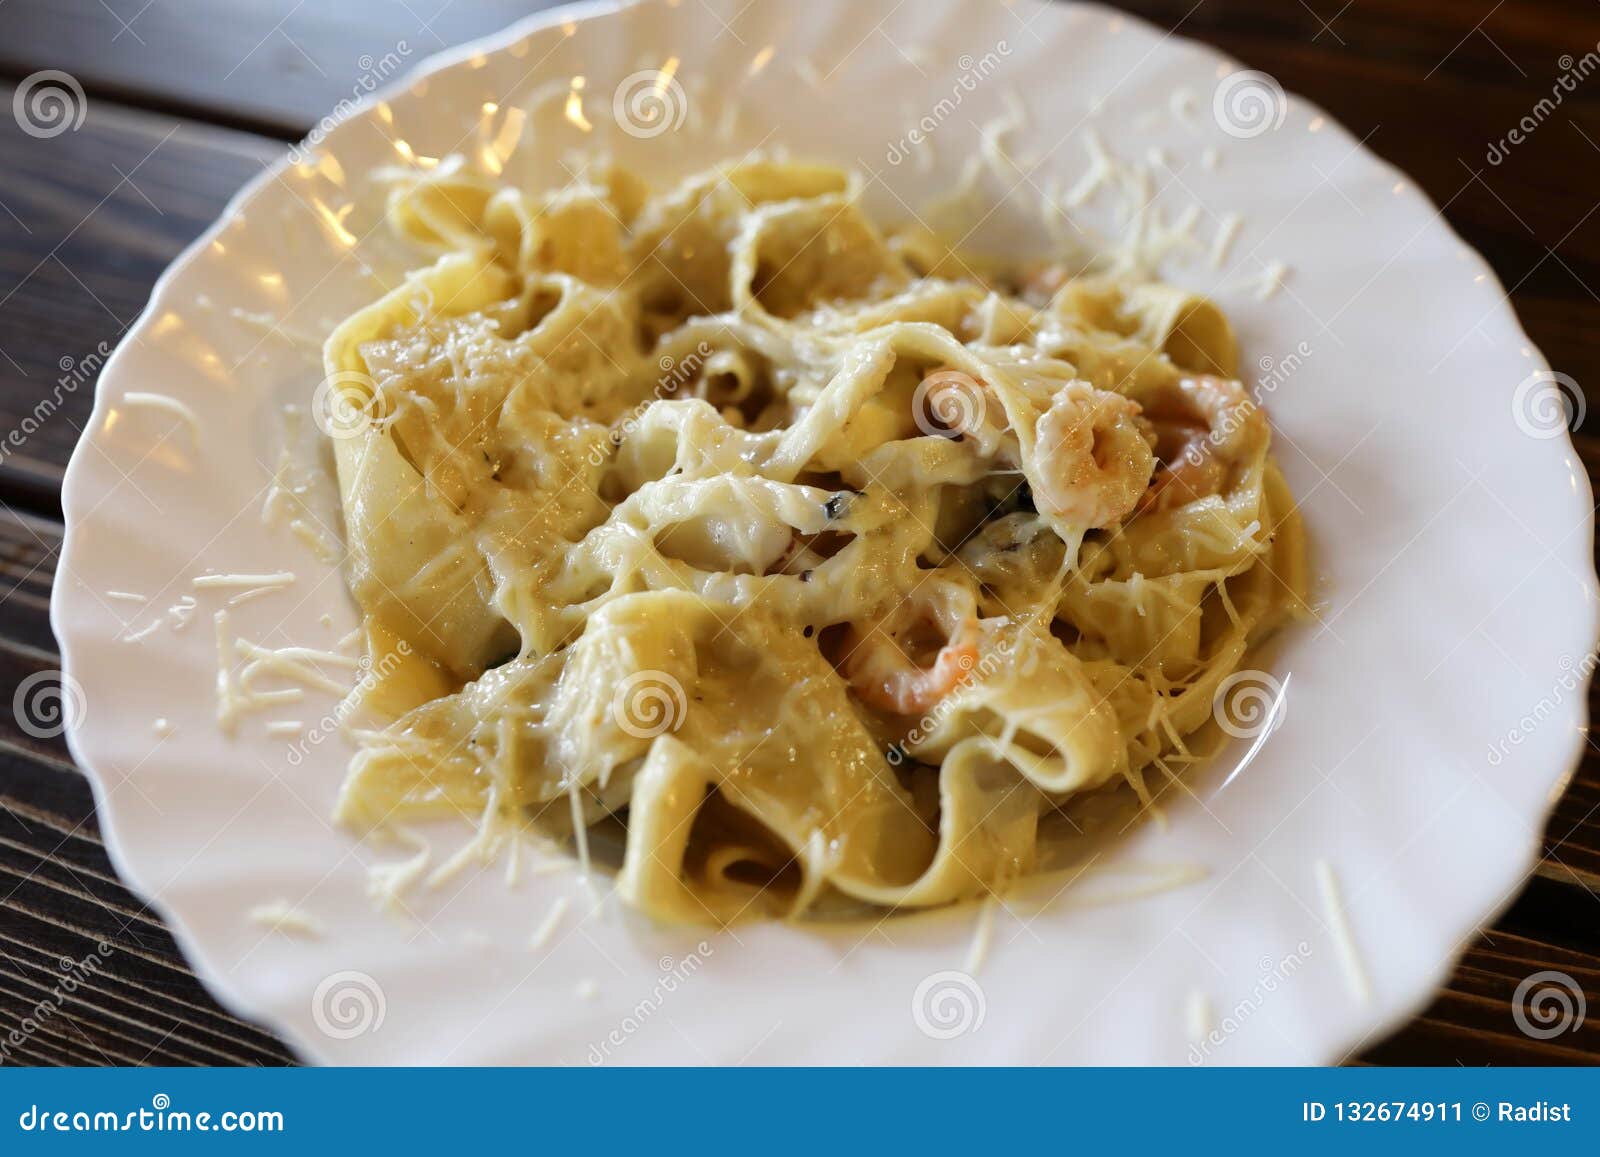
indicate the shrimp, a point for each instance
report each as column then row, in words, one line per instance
column 881, row 657
column 1092, row 459
column 1201, row 432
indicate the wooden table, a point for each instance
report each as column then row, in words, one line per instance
column 187, row 99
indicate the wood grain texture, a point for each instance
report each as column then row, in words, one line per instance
column 89, row 219
column 272, row 66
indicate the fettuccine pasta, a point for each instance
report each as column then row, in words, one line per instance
column 814, row 567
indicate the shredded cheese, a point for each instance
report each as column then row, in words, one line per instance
column 992, row 138
column 282, row 916
column 181, row 612
column 1227, row 229
column 166, row 404
column 287, row 499
column 387, row 883
column 494, row 829
column 142, row 633
column 297, row 664
column 983, row 935
column 1182, row 105
column 547, row 926
column 1355, row 975
column 1198, row 1016
column 271, row 581
column 580, row 829
column 1164, row 878
column 1269, row 281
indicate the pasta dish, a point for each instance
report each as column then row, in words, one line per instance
column 807, row 566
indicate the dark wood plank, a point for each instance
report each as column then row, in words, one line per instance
column 66, row 917
column 1471, row 1021
column 89, row 220
column 271, row 66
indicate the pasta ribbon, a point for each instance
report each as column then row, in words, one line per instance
column 810, row 569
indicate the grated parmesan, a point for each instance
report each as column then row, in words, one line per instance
column 494, row 829
column 579, row 828
column 252, row 593
column 271, row 581
column 142, row 633
column 286, row 503
column 386, row 883
column 1198, row 1016
column 282, row 916
column 1355, row 975
column 182, row 611
column 982, row 935
column 1182, row 105
column 1227, row 230
column 1164, row 878
column 166, row 404
column 547, row 926
column 1269, row 281
column 238, row 695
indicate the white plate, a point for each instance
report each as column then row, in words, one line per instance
column 1450, row 521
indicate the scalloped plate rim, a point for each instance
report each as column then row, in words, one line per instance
column 189, row 939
